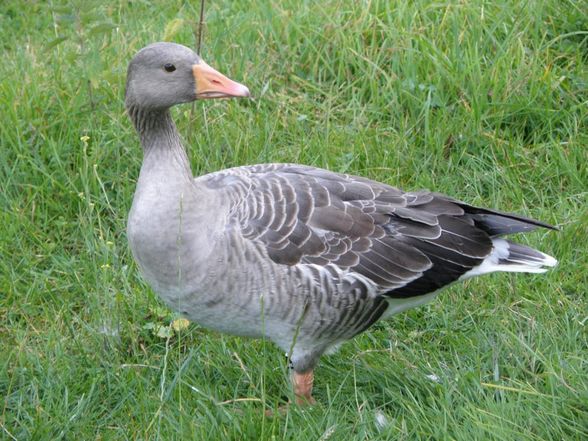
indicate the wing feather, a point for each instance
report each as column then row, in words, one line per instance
column 404, row 244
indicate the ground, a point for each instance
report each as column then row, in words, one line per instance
column 484, row 101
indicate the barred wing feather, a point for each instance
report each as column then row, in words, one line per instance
column 406, row 243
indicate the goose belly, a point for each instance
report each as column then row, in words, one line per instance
column 238, row 302
column 242, row 292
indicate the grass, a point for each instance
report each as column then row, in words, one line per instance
column 485, row 101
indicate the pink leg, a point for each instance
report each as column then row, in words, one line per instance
column 302, row 384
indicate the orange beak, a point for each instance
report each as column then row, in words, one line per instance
column 212, row 84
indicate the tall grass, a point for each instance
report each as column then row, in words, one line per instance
column 485, row 101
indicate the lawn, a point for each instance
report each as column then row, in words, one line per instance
column 486, row 101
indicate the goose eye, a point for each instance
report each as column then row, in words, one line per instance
column 169, row 67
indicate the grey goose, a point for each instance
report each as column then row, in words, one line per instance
column 305, row 257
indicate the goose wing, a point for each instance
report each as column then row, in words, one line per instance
column 406, row 243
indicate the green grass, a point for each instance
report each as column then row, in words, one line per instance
column 485, row 101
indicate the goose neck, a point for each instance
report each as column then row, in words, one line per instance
column 159, row 137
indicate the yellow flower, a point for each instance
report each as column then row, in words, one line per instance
column 179, row 324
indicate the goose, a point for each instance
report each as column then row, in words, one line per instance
column 302, row 256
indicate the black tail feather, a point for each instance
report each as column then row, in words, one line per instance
column 496, row 223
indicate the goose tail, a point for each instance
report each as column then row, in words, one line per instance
column 512, row 257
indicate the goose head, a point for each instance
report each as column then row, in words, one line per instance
column 162, row 75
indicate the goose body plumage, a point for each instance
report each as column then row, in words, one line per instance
column 300, row 255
